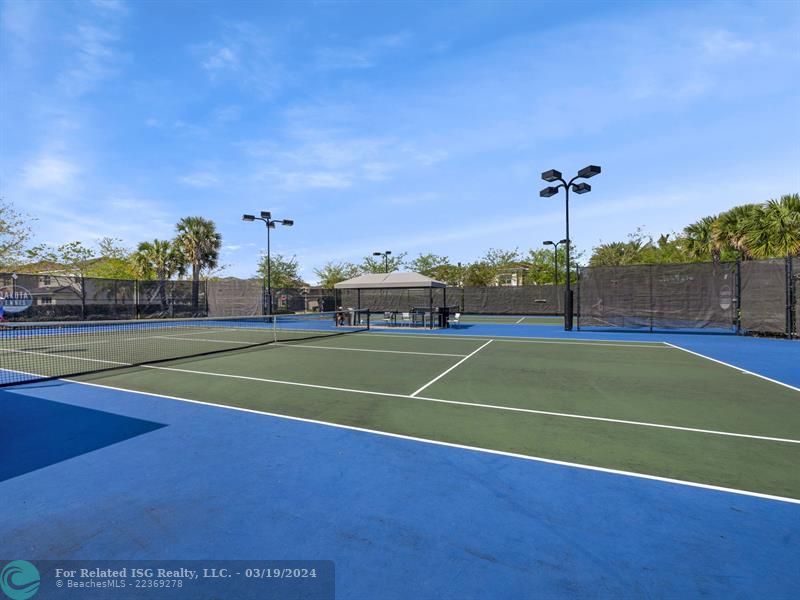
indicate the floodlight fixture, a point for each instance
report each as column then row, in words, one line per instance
column 551, row 175
column 581, row 188
column 548, row 191
column 266, row 218
column 548, row 243
column 590, row 171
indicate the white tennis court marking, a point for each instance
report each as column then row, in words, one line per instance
column 520, row 320
column 302, row 345
column 70, row 357
column 438, row 377
column 540, row 459
column 524, row 340
column 481, row 405
column 745, row 371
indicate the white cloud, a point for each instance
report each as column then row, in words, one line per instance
column 243, row 56
column 49, row 173
column 200, row 179
column 220, row 59
column 724, row 44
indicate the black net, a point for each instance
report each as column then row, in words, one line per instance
column 35, row 351
column 514, row 300
column 682, row 296
column 235, row 297
column 764, row 296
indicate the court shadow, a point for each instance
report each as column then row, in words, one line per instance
column 36, row 433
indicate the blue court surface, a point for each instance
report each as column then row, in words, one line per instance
column 91, row 470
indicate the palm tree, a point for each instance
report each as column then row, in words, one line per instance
column 198, row 243
column 159, row 260
column 774, row 229
column 729, row 228
column 700, row 240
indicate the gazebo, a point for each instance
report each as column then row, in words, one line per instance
column 398, row 282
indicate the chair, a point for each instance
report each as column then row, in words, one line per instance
column 405, row 319
column 455, row 320
column 387, row 318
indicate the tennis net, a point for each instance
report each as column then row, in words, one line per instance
column 37, row 351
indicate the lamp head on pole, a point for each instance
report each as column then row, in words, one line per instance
column 288, row 222
column 548, row 191
column 562, row 242
column 248, row 218
column 581, row 188
column 548, row 243
column 551, row 175
column 265, row 214
column 590, row 171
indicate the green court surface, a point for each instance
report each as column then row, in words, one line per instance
column 514, row 319
column 639, row 407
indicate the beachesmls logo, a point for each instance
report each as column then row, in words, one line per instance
column 15, row 298
column 19, row 580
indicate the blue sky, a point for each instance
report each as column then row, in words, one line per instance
column 418, row 127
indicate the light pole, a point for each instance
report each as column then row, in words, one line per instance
column 385, row 256
column 578, row 188
column 555, row 246
column 266, row 217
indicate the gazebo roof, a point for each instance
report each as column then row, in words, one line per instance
column 389, row 280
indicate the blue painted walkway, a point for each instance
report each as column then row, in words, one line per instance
column 401, row 519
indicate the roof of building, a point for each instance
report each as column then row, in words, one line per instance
column 389, row 280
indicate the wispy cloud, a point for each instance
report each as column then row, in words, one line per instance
column 48, row 172
column 245, row 56
column 200, row 179
column 363, row 55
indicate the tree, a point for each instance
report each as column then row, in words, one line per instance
column 479, row 274
column 773, row 229
column 428, row 264
column 73, row 257
column 114, row 261
column 334, row 272
column 285, row 272
column 198, row 244
column 501, row 259
column 700, row 241
column 377, row 264
column 14, row 234
column 159, row 260
column 729, row 228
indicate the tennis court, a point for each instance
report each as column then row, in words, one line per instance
column 514, row 319
column 525, row 463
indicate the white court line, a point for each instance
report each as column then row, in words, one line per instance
column 110, row 362
column 520, row 320
column 539, row 459
column 301, row 345
column 175, row 337
column 511, row 339
column 438, row 377
column 745, row 371
column 481, row 405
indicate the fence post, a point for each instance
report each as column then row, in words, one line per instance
column 650, row 278
column 789, row 289
column 580, row 277
column 738, row 295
